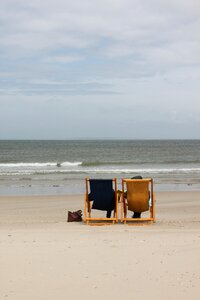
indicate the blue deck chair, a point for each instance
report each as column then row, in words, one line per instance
column 101, row 194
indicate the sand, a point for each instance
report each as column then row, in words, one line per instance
column 44, row 257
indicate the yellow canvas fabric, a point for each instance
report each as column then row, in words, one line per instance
column 138, row 195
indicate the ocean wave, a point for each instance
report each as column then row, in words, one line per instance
column 91, row 164
column 104, row 163
column 39, row 164
column 102, row 171
column 136, row 163
column 67, row 163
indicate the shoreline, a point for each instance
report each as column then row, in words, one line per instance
column 78, row 187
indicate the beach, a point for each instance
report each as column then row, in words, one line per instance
column 42, row 256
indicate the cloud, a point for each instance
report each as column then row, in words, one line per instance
column 63, row 59
column 126, row 55
column 112, row 27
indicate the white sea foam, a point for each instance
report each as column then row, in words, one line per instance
column 69, row 168
column 21, row 164
column 38, row 164
column 67, row 163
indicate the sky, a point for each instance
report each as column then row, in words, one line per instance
column 100, row 69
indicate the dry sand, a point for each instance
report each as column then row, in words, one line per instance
column 44, row 257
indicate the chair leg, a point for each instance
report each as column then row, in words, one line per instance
column 121, row 212
column 151, row 212
column 84, row 209
column 90, row 206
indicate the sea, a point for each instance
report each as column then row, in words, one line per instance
column 58, row 167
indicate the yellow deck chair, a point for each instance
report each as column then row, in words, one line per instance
column 101, row 194
column 137, row 196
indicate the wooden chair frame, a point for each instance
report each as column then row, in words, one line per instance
column 88, row 208
column 124, row 202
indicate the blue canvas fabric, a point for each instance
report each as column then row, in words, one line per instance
column 102, row 194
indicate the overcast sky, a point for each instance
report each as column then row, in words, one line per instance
column 99, row 69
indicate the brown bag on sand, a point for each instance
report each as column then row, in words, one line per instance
column 75, row 216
